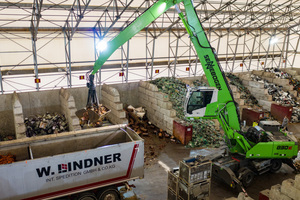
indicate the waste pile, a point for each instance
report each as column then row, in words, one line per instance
column 278, row 73
column 296, row 115
column 139, row 122
column 45, row 124
column 249, row 99
column 285, row 75
column 93, row 116
column 6, row 159
column 204, row 131
column 280, row 96
column 277, row 92
column 155, row 138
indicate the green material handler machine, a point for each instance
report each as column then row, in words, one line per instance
column 248, row 153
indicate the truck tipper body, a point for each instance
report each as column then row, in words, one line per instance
column 53, row 166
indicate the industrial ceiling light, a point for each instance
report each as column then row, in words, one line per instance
column 273, row 40
column 101, row 45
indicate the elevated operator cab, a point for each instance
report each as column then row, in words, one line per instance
column 197, row 99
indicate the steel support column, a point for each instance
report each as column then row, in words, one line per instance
column 68, row 59
column 235, row 52
column 152, row 58
column 295, row 52
column 74, row 18
column 251, row 53
column 34, row 25
column 176, row 55
column 287, row 50
column 282, row 49
column 127, row 62
column 267, row 55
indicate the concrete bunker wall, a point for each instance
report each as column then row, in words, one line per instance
column 14, row 108
column 17, row 106
column 6, row 115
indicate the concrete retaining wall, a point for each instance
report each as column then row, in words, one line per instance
column 159, row 108
column 271, row 78
column 128, row 93
column 257, row 89
column 68, row 108
column 111, row 99
column 20, row 129
column 288, row 190
column 7, row 127
column 64, row 101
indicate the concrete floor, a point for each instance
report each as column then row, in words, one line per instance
column 154, row 185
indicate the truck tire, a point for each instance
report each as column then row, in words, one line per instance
column 275, row 165
column 246, row 176
column 86, row 196
column 109, row 194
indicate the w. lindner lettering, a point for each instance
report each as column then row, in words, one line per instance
column 80, row 164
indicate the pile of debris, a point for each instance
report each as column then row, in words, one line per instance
column 280, row 96
column 155, row 139
column 45, row 124
column 285, row 75
column 139, row 122
column 249, row 99
column 296, row 115
column 204, row 131
column 6, row 159
column 278, row 73
column 277, row 92
column 92, row 116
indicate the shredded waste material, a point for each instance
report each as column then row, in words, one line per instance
column 6, row 159
column 204, row 131
column 155, row 139
column 284, row 75
column 279, row 95
column 93, row 116
column 45, row 124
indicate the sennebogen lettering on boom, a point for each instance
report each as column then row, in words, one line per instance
column 210, row 66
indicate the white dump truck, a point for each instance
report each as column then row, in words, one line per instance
column 81, row 165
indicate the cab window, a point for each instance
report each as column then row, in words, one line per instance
column 199, row 100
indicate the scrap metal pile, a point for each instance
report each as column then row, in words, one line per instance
column 285, row 75
column 277, row 92
column 204, row 131
column 250, row 100
column 45, row 124
column 93, row 116
column 279, row 95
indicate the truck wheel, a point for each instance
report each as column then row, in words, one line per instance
column 275, row 165
column 86, row 196
column 108, row 195
column 246, row 177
